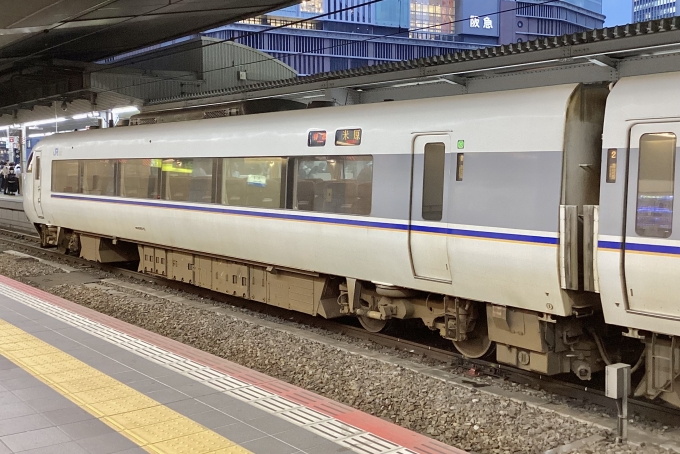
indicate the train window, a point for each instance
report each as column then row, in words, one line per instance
column 460, row 164
column 656, row 181
column 98, row 177
column 253, row 182
column 188, row 180
column 335, row 184
column 433, row 181
column 29, row 165
column 139, row 178
column 65, row 176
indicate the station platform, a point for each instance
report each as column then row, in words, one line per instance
column 75, row 381
column 12, row 214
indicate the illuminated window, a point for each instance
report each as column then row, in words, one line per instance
column 312, row 6
column 430, row 18
column 656, row 182
column 281, row 22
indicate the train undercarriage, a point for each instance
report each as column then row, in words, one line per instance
column 531, row 341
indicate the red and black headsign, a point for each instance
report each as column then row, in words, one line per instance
column 316, row 139
column 348, row 137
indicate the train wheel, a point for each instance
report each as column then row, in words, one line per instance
column 478, row 343
column 370, row 324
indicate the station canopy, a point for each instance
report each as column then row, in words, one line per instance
column 46, row 45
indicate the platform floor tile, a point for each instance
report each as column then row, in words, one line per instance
column 108, row 387
column 142, row 420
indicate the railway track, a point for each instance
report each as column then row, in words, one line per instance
column 662, row 413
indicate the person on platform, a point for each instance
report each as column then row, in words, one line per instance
column 17, row 171
column 5, row 173
column 11, row 183
column 2, row 176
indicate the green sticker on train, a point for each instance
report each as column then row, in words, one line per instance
column 461, row 144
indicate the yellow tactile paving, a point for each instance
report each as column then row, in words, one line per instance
column 85, row 384
column 205, row 441
column 153, row 426
column 143, row 417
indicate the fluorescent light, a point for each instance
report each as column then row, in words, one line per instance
column 45, row 122
column 121, row 110
column 31, row 136
column 414, row 84
column 81, row 116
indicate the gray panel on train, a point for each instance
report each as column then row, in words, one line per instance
column 391, row 186
column 508, row 190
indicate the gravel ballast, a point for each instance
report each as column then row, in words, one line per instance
column 466, row 418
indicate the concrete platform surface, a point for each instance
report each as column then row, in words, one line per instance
column 12, row 214
column 75, row 381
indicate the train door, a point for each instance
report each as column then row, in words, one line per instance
column 427, row 226
column 652, row 232
column 37, row 182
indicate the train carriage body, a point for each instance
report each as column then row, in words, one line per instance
column 505, row 207
column 497, row 218
column 639, row 242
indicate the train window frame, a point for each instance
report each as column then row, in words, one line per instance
column 655, row 230
column 153, row 192
column 57, row 162
column 358, row 207
column 252, row 181
column 29, row 163
column 432, row 192
column 168, row 171
column 83, row 166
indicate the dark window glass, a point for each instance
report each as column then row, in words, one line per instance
column 460, row 165
column 188, row 180
column 656, row 181
column 253, row 182
column 335, row 184
column 98, row 177
column 433, row 181
column 65, row 176
column 139, row 178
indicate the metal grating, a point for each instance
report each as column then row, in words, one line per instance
column 221, row 113
column 335, row 430
column 276, row 404
column 145, row 121
column 304, row 416
column 369, row 444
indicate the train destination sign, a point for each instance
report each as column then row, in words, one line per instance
column 316, row 139
column 348, row 137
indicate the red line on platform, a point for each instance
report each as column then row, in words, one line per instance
column 384, row 429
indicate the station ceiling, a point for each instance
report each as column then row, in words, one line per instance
column 89, row 30
column 47, row 47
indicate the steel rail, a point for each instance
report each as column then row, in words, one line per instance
column 581, row 393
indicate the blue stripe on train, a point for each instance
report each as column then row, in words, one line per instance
column 636, row 247
column 324, row 220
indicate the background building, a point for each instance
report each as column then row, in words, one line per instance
column 391, row 30
column 644, row 10
column 395, row 30
column 527, row 20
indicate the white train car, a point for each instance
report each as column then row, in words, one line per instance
column 477, row 214
column 639, row 236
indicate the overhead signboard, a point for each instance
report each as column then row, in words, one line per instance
column 478, row 17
